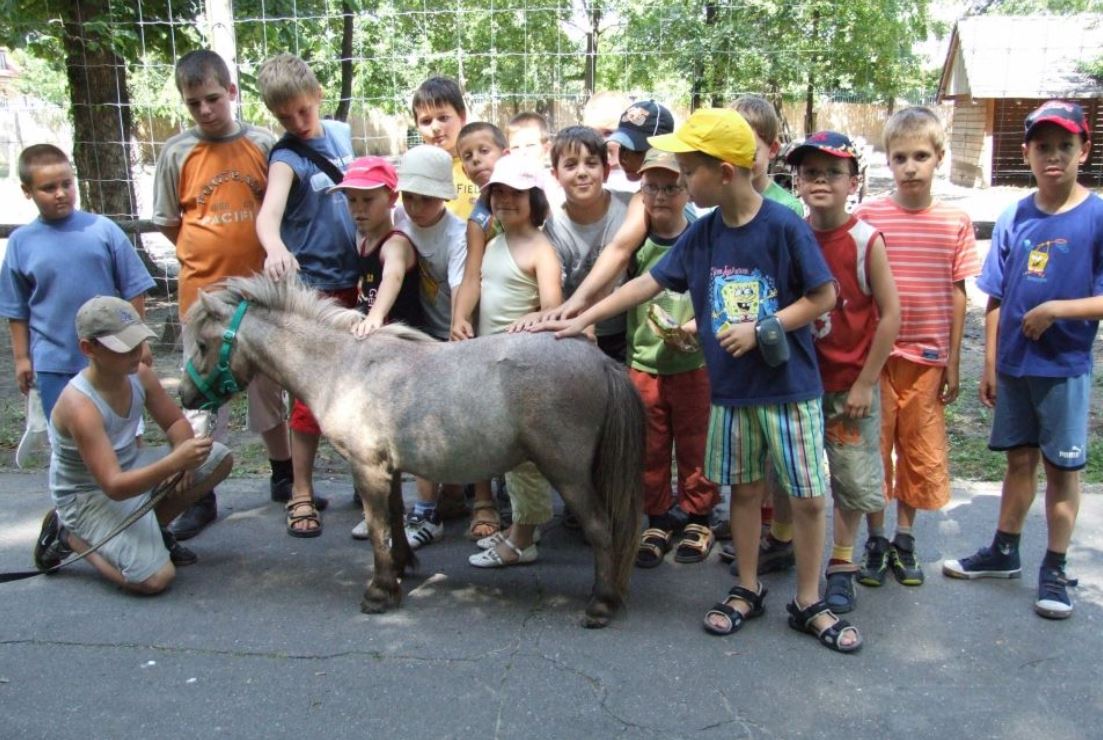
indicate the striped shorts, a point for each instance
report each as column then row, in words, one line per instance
column 790, row 435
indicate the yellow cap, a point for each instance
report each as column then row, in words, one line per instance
column 718, row 132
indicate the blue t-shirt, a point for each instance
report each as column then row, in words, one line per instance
column 744, row 274
column 316, row 226
column 1037, row 257
column 52, row 267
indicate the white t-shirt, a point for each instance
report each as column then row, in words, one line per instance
column 441, row 255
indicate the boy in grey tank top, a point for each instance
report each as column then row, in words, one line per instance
column 96, row 475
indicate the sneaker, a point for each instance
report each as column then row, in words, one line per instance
column 195, row 518
column 774, row 556
column 421, row 531
column 360, row 531
column 51, row 546
column 875, row 563
column 279, row 490
column 987, row 562
column 1053, row 596
column 179, row 555
column 902, row 560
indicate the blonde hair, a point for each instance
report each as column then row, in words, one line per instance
column 285, row 77
column 760, row 114
column 915, row 121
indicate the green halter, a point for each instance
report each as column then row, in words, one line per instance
column 219, row 385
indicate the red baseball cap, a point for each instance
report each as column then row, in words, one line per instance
column 1069, row 116
column 368, row 173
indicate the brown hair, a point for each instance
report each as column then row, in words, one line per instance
column 38, row 155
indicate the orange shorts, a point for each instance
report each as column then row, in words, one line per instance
column 913, row 431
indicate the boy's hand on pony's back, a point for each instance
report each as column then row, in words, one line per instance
column 461, row 330
column 366, row 326
column 280, row 265
column 566, row 310
column 529, row 322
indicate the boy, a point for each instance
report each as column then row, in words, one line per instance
column 1044, row 277
column 96, row 477
column 208, row 186
column 853, row 341
column 931, row 251
column 751, row 267
column 529, row 137
column 388, row 286
column 479, row 145
column 637, row 122
column 440, row 113
column 591, row 215
column 52, row 266
column 438, row 236
column 667, row 367
column 304, row 228
column 602, row 113
column 760, row 114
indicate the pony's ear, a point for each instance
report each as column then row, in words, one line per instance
column 210, row 304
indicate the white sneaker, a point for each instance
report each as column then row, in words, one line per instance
column 487, row 543
column 35, row 440
column 420, row 531
column 491, row 559
column 360, row 531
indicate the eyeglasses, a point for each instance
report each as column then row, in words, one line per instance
column 668, row 190
column 813, row 175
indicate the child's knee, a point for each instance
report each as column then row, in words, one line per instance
column 157, row 582
column 810, row 506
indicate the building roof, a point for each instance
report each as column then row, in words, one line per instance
column 1029, row 56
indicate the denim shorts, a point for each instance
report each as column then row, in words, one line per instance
column 1048, row 413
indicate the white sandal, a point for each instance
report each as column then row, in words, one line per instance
column 491, row 559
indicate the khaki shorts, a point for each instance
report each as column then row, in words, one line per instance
column 854, row 454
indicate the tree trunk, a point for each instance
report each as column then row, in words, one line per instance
column 100, row 112
column 590, row 72
column 342, row 112
column 810, row 90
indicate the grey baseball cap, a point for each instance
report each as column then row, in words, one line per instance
column 112, row 322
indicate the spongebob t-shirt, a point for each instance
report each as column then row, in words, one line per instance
column 744, row 274
column 1037, row 257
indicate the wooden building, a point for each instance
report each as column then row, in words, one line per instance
column 997, row 70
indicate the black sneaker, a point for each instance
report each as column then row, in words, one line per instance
column 195, row 518
column 902, row 560
column 51, row 546
column 875, row 564
column 987, row 562
column 179, row 555
column 1053, row 596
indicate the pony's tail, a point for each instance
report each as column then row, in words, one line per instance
column 618, row 471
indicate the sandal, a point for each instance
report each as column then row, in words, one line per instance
column 696, row 544
column 484, row 526
column 303, row 510
column 493, row 559
column 801, row 620
column 654, row 545
column 839, row 594
column 734, row 616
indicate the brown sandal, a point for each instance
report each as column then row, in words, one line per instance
column 303, row 510
column 654, row 545
column 480, row 528
column 696, row 544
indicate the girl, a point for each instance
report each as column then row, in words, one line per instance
column 521, row 273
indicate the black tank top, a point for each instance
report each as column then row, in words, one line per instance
column 407, row 307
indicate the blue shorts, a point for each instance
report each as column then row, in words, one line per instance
column 1048, row 413
column 50, row 386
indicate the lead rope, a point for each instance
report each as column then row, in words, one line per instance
column 160, row 491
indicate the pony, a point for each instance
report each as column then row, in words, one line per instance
column 401, row 401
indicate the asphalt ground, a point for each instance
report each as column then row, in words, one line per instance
column 264, row 638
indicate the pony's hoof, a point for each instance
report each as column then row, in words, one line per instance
column 598, row 614
column 377, row 601
column 591, row 622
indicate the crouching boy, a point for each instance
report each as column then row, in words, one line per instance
column 96, row 477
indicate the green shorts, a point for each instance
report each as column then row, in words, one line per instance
column 854, row 454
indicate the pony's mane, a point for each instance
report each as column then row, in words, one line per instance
column 291, row 296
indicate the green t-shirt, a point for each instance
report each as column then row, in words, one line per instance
column 647, row 351
column 780, row 195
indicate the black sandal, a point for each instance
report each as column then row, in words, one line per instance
column 295, row 515
column 801, row 620
column 734, row 616
column 696, row 544
column 654, row 545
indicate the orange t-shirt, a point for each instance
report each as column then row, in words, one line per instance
column 212, row 189
column 928, row 250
